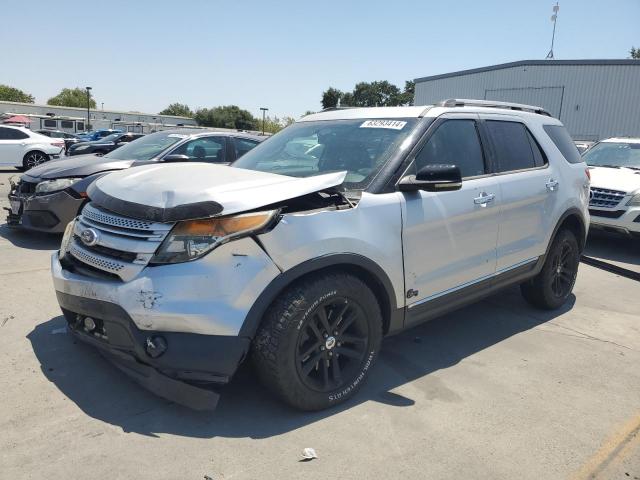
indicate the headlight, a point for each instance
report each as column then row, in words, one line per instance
column 635, row 200
column 56, row 185
column 193, row 239
column 82, row 147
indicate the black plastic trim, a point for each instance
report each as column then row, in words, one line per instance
column 189, row 211
column 394, row 314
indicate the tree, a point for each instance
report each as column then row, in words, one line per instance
column 330, row 98
column 635, row 53
column 11, row 94
column 178, row 110
column 229, row 116
column 409, row 92
column 72, row 97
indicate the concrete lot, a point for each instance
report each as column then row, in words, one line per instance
column 495, row 391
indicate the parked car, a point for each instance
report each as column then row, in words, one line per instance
column 98, row 134
column 583, row 145
column 68, row 138
column 615, row 185
column 25, row 149
column 48, row 197
column 304, row 258
column 104, row 145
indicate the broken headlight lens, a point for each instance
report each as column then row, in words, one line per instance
column 50, row 186
column 192, row 239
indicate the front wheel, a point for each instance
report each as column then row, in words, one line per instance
column 33, row 159
column 318, row 341
column 553, row 285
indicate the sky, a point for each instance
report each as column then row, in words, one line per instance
column 143, row 55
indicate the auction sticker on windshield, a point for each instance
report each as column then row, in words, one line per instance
column 392, row 124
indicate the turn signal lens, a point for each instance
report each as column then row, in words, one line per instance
column 193, row 239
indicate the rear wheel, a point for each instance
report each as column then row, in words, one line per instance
column 33, row 159
column 318, row 341
column 553, row 285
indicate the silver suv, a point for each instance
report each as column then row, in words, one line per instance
column 346, row 227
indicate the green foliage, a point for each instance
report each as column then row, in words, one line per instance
column 11, row 94
column 72, row 97
column 635, row 53
column 229, row 116
column 275, row 124
column 370, row 94
column 330, row 97
column 177, row 109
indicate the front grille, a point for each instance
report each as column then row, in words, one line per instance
column 605, row 198
column 123, row 246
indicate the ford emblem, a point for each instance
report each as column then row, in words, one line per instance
column 89, row 237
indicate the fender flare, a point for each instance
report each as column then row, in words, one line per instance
column 394, row 317
column 573, row 211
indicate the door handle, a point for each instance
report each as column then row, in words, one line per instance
column 484, row 198
column 552, row 184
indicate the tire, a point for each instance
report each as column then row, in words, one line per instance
column 552, row 286
column 303, row 362
column 33, row 159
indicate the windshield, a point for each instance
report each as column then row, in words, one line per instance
column 111, row 138
column 361, row 147
column 614, row 154
column 147, row 147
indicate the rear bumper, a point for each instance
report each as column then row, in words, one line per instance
column 182, row 367
column 45, row 213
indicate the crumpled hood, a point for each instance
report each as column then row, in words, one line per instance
column 183, row 191
column 623, row 179
column 79, row 166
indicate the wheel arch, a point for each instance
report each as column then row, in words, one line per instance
column 361, row 267
column 573, row 220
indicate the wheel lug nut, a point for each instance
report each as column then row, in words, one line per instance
column 326, row 335
column 322, row 347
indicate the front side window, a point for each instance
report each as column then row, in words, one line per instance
column 614, row 154
column 455, row 142
column 361, row 147
column 512, row 145
column 146, row 148
column 204, row 149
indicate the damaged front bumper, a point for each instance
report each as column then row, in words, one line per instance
column 45, row 213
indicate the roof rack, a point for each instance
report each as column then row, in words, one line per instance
column 332, row 109
column 464, row 102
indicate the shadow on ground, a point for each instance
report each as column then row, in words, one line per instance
column 28, row 239
column 611, row 247
column 246, row 409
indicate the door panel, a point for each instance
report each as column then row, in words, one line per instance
column 449, row 239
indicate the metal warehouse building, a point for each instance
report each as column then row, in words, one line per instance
column 595, row 99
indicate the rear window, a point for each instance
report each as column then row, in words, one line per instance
column 562, row 140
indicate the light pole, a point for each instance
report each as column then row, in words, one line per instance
column 554, row 18
column 264, row 112
column 88, row 105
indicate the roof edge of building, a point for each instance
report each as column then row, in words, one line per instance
column 521, row 63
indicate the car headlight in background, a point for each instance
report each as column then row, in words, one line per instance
column 49, row 186
column 81, row 147
column 635, row 200
column 192, row 239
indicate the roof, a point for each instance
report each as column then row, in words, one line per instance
column 204, row 131
column 366, row 112
column 526, row 63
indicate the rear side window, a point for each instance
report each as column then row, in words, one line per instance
column 455, row 142
column 11, row 134
column 513, row 145
column 243, row 145
column 561, row 138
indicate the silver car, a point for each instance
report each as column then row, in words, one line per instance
column 345, row 227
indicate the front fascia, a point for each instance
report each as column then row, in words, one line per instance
column 210, row 296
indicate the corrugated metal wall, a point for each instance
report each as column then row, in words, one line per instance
column 593, row 101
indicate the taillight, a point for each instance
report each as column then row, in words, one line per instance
column 58, row 144
column 586, row 170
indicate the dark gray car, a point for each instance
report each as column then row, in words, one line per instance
column 49, row 196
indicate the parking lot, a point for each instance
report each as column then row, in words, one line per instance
column 496, row 390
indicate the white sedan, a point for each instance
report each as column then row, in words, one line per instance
column 24, row 149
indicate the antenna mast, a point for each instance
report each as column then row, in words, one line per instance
column 554, row 18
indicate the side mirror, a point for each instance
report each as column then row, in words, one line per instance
column 432, row 178
column 176, row 157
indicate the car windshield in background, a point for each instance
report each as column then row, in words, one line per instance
column 361, row 147
column 111, row 138
column 614, row 154
column 147, row 147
